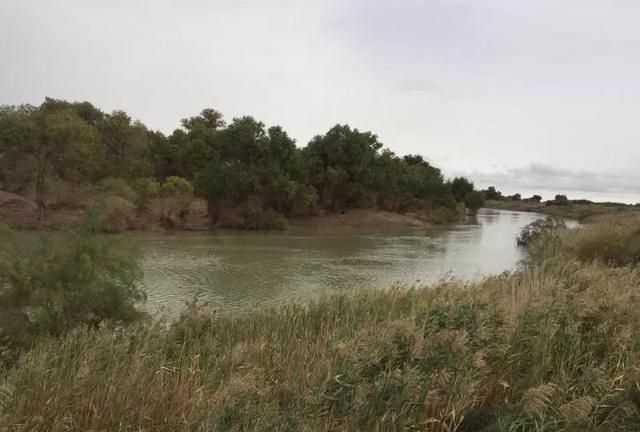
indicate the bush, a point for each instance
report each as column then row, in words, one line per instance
column 538, row 228
column 119, row 187
column 176, row 186
column 117, row 215
column 256, row 217
column 68, row 279
column 67, row 194
column 146, row 188
column 474, row 200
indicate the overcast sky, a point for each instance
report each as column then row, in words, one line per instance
column 537, row 95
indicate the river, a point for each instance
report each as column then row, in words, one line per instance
column 239, row 271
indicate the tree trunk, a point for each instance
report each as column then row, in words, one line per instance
column 41, row 187
column 214, row 211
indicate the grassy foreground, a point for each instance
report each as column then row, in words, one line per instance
column 552, row 347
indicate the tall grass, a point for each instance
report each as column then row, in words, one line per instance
column 552, row 347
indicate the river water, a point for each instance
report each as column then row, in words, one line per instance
column 238, row 271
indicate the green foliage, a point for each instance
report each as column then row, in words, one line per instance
column 67, row 279
column 227, row 164
column 126, row 145
column 53, row 140
column 117, row 214
column 176, row 186
column 492, row 194
column 341, row 166
column 474, row 200
column 118, row 187
column 460, row 187
column 146, row 188
column 538, row 229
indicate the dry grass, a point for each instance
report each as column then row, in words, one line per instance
column 579, row 212
column 553, row 347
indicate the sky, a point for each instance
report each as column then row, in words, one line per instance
column 537, row 96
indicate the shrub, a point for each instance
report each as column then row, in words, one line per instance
column 176, row 186
column 117, row 187
column 117, row 215
column 474, row 200
column 146, row 188
column 68, row 279
column 67, row 194
column 256, row 217
column 538, row 228
column 306, row 199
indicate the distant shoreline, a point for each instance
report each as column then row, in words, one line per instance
column 21, row 214
column 572, row 210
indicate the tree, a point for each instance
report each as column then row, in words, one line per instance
column 492, row 194
column 127, row 146
column 460, row 187
column 248, row 162
column 341, row 166
column 55, row 141
column 189, row 149
column 474, row 200
column 561, row 200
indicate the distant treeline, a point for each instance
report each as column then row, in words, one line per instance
column 492, row 194
column 239, row 164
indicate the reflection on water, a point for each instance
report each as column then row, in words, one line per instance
column 241, row 270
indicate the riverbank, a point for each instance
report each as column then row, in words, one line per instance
column 575, row 211
column 160, row 215
column 553, row 346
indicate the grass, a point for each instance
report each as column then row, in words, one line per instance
column 578, row 212
column 554, row 346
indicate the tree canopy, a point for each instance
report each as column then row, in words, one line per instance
column 241, row 164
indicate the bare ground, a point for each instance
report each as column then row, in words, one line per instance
column 360, row 219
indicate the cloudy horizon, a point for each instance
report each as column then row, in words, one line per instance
column 527, row 96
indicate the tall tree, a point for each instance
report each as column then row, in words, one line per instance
column 341, row 165
column 127, row 146
column 460, row 187
column 54, row 139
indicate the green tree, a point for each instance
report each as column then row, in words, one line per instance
column 460, row 187
column 341, row 166
column 55, row 141
column 492, row 194
column 188, row 149
column 127, row 146
column 474, row 200
column 248, row 161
